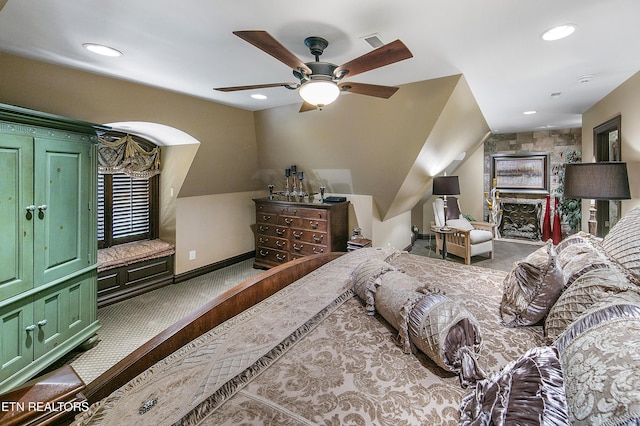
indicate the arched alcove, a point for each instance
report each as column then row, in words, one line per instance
column 178, row 150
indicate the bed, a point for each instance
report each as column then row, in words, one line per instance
column 354, row 372
column 298, row 345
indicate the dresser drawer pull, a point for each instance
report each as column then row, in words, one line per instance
column 318, row 239
column 266, row 218
column 280, row 231
column 296, row 248
column 263, row 228
column 317, row 251
column 313, row 224
column 264, row 253
column 281, row 244
column 281, row 257
column 263, row 240
column 297, row 236
column 288, row 221
column 42, row 323
column 30, row 328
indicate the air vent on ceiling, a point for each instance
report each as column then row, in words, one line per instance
column 373, row 40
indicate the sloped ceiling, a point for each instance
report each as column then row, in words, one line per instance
column 387, row 148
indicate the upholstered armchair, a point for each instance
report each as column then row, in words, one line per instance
column 468, row 239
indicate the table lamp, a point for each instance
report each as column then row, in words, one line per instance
column 445, row 185
column 607, row 180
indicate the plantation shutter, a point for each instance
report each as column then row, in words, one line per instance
column 131, row 206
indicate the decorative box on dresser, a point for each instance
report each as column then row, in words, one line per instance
column 288, row 230
column 48, row 233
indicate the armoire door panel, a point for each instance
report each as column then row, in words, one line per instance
column 62, row 209
column 16, row 338
column 16, row 226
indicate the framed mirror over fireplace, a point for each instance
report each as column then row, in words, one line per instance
column 607, row 139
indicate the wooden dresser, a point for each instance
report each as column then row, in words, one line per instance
column 287, row 230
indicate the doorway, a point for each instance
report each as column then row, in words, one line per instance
column 606, row 147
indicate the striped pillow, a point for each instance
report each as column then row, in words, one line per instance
column 623, row 241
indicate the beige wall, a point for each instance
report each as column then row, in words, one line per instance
column 621, row 101
column 216, row 227
column 363, row 213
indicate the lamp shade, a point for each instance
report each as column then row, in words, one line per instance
column 597, row 181
column 319, row 92
column 446, row 185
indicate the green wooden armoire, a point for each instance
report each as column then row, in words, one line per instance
column 48, row 174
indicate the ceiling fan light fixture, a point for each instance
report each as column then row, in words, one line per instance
column 319, row 92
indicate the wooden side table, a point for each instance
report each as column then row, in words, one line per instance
column 443, row 234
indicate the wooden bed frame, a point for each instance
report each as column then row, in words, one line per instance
column 223, row 307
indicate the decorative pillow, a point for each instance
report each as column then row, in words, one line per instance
column 531, row 288
column 620, row 305
column 394, row 299
column 580, row 237
column 601, row 367
column 528, row 391
column 591, row 288
column 580, row 258
column 448, row 334
column 365, row 279
column 438, row 326
column 461, row 224
column 622, row 243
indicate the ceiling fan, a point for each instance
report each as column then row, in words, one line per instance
column 320, row 83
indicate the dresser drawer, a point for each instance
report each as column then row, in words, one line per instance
column 267, row 241
column 306, row 249
column 267, row 217
column 270, row 209
column 309, row 213
column 273, row 231
column 269, row 255
column 309, row 236
column 311, row 224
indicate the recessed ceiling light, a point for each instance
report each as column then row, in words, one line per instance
column 529, row 112
column 559, row 32
column 103, row 50
column 258, row 96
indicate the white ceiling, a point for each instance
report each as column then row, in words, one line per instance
column 188, row 47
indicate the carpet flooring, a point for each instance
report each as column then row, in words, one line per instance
column 128, row 324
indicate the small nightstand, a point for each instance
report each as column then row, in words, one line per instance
column 443, row 234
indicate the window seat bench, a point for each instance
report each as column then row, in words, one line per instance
column 128, row 270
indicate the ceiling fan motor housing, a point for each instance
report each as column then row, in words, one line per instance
column 316, row 45
column 318, row 69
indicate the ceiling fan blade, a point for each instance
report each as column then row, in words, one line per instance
column 306, row 106
column 390, row 53
column 265, row 42
column 255, row 86
column 368, row 89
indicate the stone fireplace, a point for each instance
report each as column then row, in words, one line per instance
column 521, row 218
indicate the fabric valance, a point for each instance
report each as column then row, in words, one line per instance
column 127, row 156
